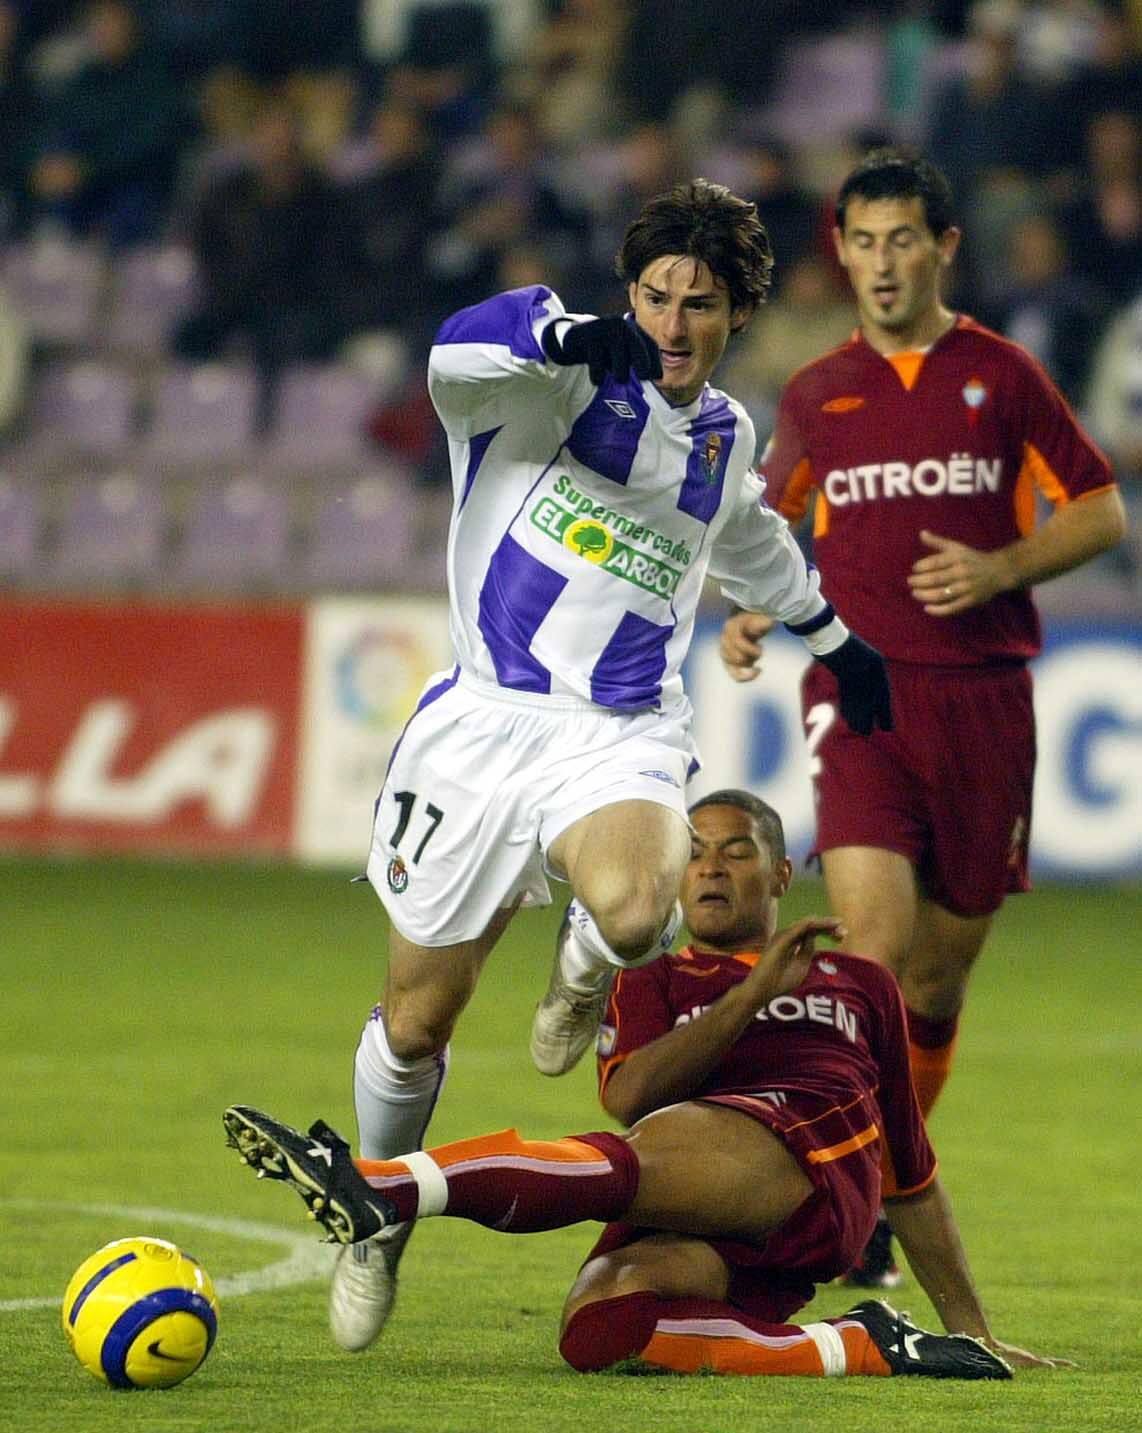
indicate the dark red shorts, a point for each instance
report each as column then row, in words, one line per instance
column 827, row 1234
column 949, row 787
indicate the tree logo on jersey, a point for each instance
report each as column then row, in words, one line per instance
column 711, row 452
column 397, row 876
column 590, row 540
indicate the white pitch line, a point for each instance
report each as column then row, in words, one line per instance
column 307, row 1260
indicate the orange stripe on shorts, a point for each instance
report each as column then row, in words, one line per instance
column 848, row 1146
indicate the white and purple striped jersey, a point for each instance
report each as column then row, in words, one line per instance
column 587, row 518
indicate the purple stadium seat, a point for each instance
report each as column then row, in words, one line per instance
column 320, row 417
column 57, row 288
column 363, row 535
column 236, row 538
column 111, row 534
column 20, row 522
column 827, row 87
column 153, row 288
column 203, row 414
column 84, row 409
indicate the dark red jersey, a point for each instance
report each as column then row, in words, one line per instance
column 956, row 441
column 840, row 1036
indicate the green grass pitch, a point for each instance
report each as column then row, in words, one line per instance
column 138, row 1000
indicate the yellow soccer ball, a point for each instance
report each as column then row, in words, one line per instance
column 140, row 1313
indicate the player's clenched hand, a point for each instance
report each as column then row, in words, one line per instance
column 784, row 962
column 613, row 345
column 954, row 577
column 862, row 685
column 1020, row 1358
column 740, row 645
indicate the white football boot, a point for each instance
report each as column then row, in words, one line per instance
column 567, row 1018
column 364, row 1287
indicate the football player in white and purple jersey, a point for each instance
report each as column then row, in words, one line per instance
column 598, row 480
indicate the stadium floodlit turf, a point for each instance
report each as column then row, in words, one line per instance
column 139, row 1000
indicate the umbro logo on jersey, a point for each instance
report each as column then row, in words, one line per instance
column 619, row 408
column 842, row 405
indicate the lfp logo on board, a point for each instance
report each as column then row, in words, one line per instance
column 1087, row 820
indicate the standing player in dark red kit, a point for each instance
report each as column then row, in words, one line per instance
column 925, row 439
column 771, row 1106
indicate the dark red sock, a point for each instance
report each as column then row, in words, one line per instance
column 931, row 1034
column 604, row 1333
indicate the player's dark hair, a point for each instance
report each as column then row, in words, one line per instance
column 706, row 222
column 898, row 172
column 768, row 821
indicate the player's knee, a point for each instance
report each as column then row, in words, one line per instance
column 415, row 1034
column 632, row 933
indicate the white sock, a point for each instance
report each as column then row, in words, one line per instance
column 394, row 1098
column 588, row 963
column 831, row 1347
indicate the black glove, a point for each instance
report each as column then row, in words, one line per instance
column 863, row 685
column 605, row 345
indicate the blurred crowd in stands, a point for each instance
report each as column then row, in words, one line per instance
column 229, row 229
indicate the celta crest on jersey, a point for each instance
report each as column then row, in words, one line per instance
column 821, row 1009
column 960, row 474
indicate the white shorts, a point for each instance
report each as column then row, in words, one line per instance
column 482, row 782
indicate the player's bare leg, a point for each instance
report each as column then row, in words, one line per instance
column 624, row 863
column 401, row 1063
column 934, row 982
column 705, row 1169
column 874, row 891
column 935, row 975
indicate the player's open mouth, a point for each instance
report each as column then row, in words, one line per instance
column 708, row 898
column 886, row 292
column 672, row 358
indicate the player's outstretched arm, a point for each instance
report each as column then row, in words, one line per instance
column 673, row 1067
column 614, row 345
column 926, row 1227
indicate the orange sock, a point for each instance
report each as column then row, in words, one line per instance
column 861, row 1353
column 931, row 1046
column 930, row 1071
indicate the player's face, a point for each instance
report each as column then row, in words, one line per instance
column 895, row 264
column 687, row 311
column 732, row 884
